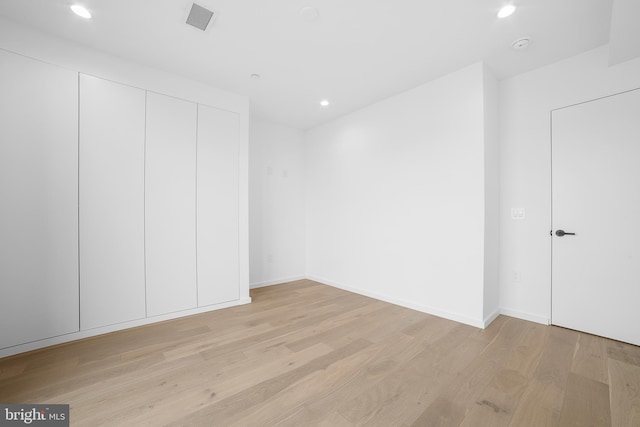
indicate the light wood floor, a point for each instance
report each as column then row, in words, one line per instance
column 305, row 354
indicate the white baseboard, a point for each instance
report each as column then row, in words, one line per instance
column 275, row 281
column 478, row 323
column 61, row 339
column 490, row 318
column 245, row 300
column 525, row 316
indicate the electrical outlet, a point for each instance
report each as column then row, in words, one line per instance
column 516, row 277
column 517, row 213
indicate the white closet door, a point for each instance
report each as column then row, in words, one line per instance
column 38, row 200
column 111, row 203
column 170, row 191
column 218, row 263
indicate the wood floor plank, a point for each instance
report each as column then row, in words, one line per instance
column 472, row 378
column 586, row 403
column 395, row 352
column 334, row 419
column 283, row 329
column 408, row 380
column 496, row 404
column 442, row 412
column 624, row 382
column 332, row 330
column 541, row 404
column 230, row 408
column 313, row 411
column 306, row 354
column 489, row 334
column 424, row 387
column 192, row 393
column 590, row 358
column 623, row 352
column 314, row 385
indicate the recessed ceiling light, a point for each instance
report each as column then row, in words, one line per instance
column 506, row 11
column 81, row 11
column 324, row 103
column 255, row 76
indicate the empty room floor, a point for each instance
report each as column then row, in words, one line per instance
column 306, row 354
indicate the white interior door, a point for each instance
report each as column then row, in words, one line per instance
column 596, row 195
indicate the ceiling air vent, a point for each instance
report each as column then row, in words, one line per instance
column 200, row 17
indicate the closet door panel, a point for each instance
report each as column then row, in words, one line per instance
column 111, row 152
column 218, row 259
column 170, row 213
column 38, row 200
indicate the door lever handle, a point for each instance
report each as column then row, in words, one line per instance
column 561, row 233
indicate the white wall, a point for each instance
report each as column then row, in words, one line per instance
column 395, row 198
column 276, row 203
column 491, row 198
column 525, row 104
column 25, row 41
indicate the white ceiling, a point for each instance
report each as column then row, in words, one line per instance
column 356, row 53
column 624, row 39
